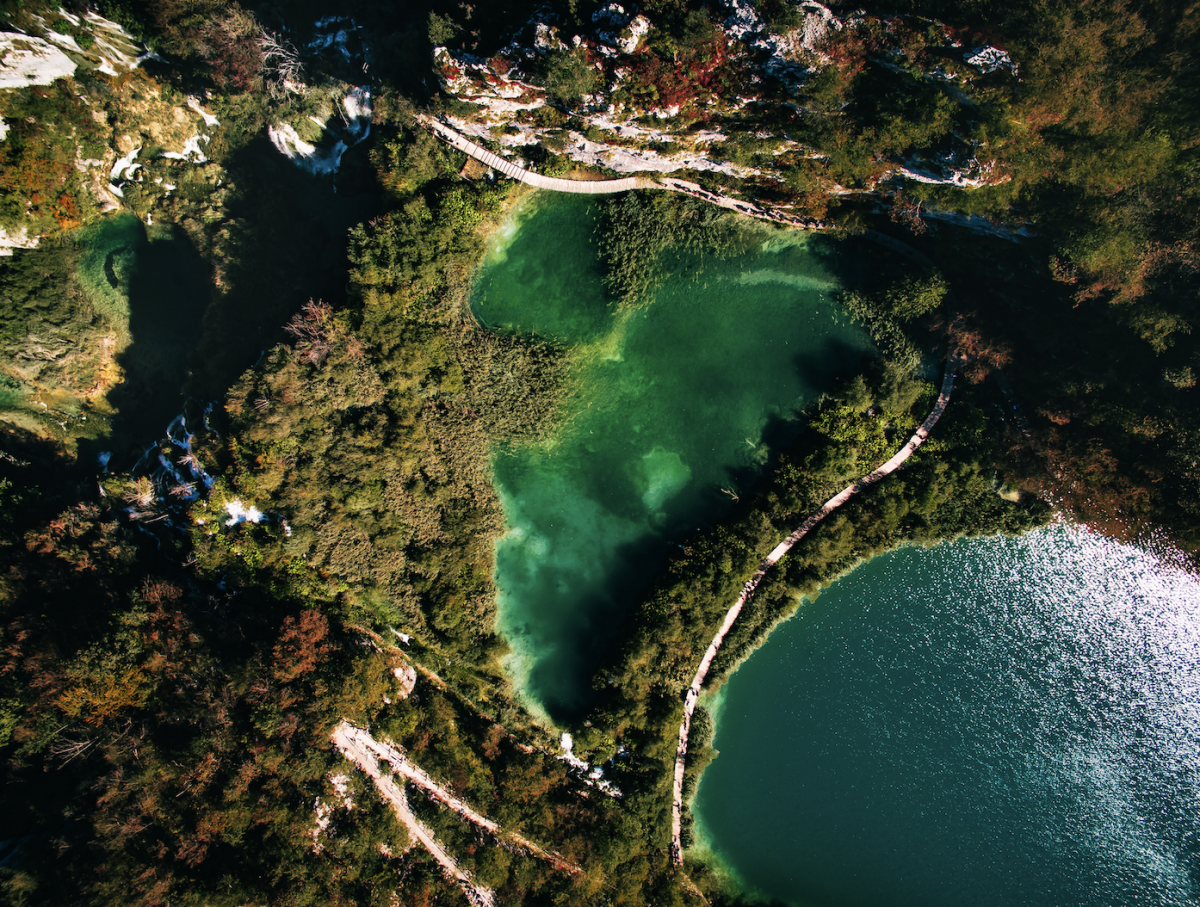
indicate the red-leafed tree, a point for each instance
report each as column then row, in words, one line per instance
column 302, row 645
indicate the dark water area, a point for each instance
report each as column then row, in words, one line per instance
column 157, row 284
column 993, row 721
column 291, row 242
column 185, row 338
column 679, row 404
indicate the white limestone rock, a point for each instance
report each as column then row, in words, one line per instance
column 25, row 61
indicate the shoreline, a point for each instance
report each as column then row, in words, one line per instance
column 517, row 663
column 703, row 848
column 715, row 685
column 751, row 586
column 520, row 659
column 1155, row 556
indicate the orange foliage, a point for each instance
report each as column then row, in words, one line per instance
column 156, row 592
column 1058, row 417
column 982, row 353
column 169, row 633
column 491, row 745
column 907, row 213
column 39, row 176
column 847, row 49
column 301, row 647
column 104, row 698
column 527, row 782
column 694, row 73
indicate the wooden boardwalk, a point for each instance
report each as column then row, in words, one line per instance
column 605, row 187
column 693, row 693
column 529, row 178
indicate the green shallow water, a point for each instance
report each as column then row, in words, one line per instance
column 153, row 287
column 678, row 401
column 993, row 721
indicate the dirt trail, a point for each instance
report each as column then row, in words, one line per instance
column 353, row 749
column 693, row 693
column 355, row 742
column 386, row 646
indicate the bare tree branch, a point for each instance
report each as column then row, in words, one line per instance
column 281, row 64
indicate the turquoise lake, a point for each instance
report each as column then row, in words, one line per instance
column 678, row 406
column 994, row 721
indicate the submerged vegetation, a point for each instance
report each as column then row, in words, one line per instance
column 642, row 233
column 948, row 488
column 183, row 626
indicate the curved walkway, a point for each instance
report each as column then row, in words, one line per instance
column 511, row 170
column 693, row 693
column 603, row 187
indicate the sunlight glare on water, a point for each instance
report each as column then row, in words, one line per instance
column 994, row 721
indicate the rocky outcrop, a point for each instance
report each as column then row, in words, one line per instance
column 630, row 131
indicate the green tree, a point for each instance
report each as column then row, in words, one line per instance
column 569, row 77
column 913, row 297
column 442, row 30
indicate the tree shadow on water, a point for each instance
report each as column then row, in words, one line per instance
column 168, row 292
column 578, row 635
column 571, row 649
column 196, row 325
column 286, row 242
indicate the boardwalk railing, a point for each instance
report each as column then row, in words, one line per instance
column 604, row 187
column 512, row 171
column 693, row 693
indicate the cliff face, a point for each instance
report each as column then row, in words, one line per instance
column 89, row 129
column 747, row 101
column 93, row 124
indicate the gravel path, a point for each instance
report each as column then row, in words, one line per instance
column 355, row 744
column 349, row 740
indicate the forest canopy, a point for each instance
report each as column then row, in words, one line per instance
column 186, row 617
